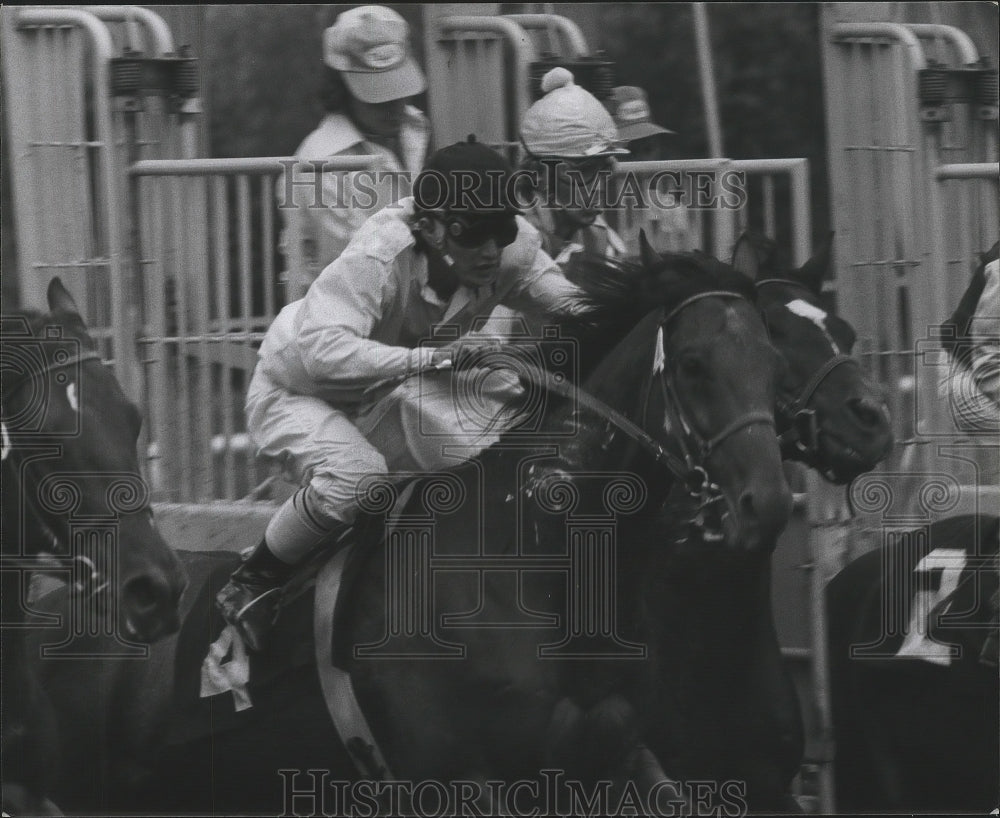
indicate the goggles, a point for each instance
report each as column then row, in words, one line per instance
column 475, row 231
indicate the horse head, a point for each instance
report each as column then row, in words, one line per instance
column 830, row 414
column 69, row 458
column 705, row 372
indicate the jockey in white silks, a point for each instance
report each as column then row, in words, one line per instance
column 344, row 387
column 570, row 141
column 566, row 131
column 973, row 382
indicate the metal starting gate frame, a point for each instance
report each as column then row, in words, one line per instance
column 173, row 258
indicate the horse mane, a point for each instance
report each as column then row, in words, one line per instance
column 618, row 293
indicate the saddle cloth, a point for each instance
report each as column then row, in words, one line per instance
column 219, row 683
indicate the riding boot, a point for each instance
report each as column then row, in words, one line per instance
column 249, row 601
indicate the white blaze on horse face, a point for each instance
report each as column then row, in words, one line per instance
column 810, row 312
column 658, row 357
column 74, row 404
column 659, row 363
column 4, row 441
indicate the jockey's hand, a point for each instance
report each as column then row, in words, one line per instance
column 471, row 352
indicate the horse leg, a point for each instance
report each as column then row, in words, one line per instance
column 773, row 741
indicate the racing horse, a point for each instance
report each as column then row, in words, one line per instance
column 685, row 395
column 831, row 417
column 68, row 453
column 915, row 708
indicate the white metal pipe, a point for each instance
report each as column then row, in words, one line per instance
column 683, row 165
column 567, row 28
column 883, row 31
column 968, row 170
column 159, row 32
column 256, row 164
column 959, row 39
column 524, row 50
column 707, row 73
column 101, row 54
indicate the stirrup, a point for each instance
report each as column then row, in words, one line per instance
column 251, row 609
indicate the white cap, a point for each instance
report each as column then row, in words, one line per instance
column 568, row 121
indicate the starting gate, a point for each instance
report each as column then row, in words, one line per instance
column 174, row 258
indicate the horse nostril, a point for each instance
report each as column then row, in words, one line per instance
column 143, row 595
column 866, row 413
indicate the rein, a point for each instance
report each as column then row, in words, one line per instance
column 802, row 437
column 96, row 583
column 689, row 468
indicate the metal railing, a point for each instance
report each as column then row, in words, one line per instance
column 208, row 267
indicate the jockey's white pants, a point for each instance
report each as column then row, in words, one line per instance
column 432, row 421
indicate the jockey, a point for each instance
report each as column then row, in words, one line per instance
column 344, row 387
column 973, row 382
column 568, row 129
column 370, row 77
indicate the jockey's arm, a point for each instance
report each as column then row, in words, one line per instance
column 337, row 317
column 544, row 290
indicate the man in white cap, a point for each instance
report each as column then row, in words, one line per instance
column 570, row 140
column 663, row 217
column 370, row 76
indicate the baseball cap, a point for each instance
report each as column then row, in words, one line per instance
column 568, row 121
column 630, row 108
column 370, row 47
column 467, row 177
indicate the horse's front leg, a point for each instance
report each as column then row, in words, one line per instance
column 775, row 740
column 601, row 746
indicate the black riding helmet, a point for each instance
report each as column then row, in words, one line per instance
column 469, row 187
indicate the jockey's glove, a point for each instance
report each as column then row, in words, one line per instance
column 472, row 352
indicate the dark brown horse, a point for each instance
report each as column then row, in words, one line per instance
column 71, row 492
column 691, row 383
column 918, row 732
column 918, row 729
column 831, row 417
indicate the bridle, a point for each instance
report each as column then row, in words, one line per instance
column 696, row 449
column 93, row 583
column 690, row 467
column 801, row 438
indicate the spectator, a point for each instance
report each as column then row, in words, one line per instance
column 664, row 217
column 369, row 77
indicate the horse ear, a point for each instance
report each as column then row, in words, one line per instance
column 647, row 254
column 62, row 304
column 745, row 257
column 60, row 299
column 815, row 269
